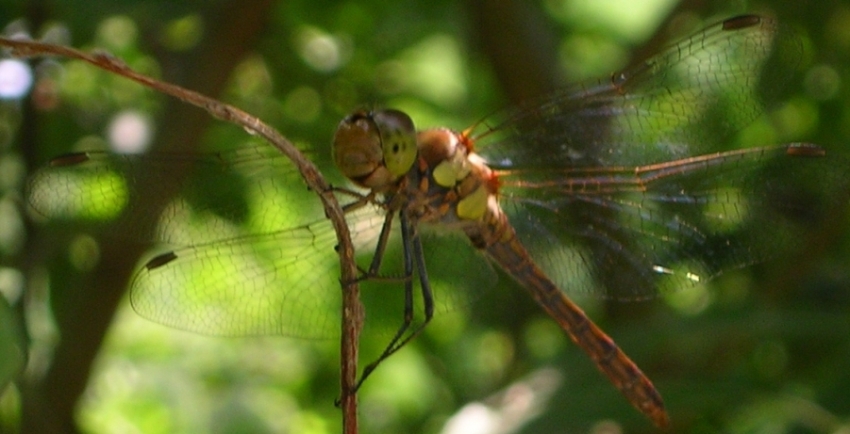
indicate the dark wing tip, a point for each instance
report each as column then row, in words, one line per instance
column 160, row 260
column 805, row 150
column 741, row 22
column 70, row 159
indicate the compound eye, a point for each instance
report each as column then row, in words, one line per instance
column 398, row 140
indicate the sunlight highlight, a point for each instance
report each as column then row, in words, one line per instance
column 15, row 79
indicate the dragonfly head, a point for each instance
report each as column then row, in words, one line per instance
column 374, row 149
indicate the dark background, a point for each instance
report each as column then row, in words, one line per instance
column 764, row 349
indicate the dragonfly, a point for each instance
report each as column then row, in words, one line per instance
column 618, row 188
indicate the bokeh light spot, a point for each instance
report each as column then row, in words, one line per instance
column 15, row 78
column 130, row 132
column 322, row 51
column 183, row 33
column 118, row 32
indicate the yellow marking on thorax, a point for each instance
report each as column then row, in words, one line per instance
column 473, row 206
column 450, row 171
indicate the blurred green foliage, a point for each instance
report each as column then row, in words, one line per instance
column 764, row 349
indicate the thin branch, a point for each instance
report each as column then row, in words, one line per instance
column 352, row 310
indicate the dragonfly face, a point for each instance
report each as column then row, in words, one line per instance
column 375, row 149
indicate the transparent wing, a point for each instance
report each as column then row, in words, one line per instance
column 633, row 232
column 180, row 199
column 602, row 182
column 685, row 101
column 248, row 266
column 279, row 283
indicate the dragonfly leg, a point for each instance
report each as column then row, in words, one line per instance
column 360, row 199
column 359, row 202
column 373, row 273
column 413, row 256
column 380, row 249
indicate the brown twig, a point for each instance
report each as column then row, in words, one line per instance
column 352, row 310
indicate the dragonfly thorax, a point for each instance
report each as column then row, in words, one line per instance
column 455, row 183
column 433, row 173
column 446, row 160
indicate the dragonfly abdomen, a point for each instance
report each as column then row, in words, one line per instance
column 509, row 253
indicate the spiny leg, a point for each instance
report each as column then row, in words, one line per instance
column 412, row 245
